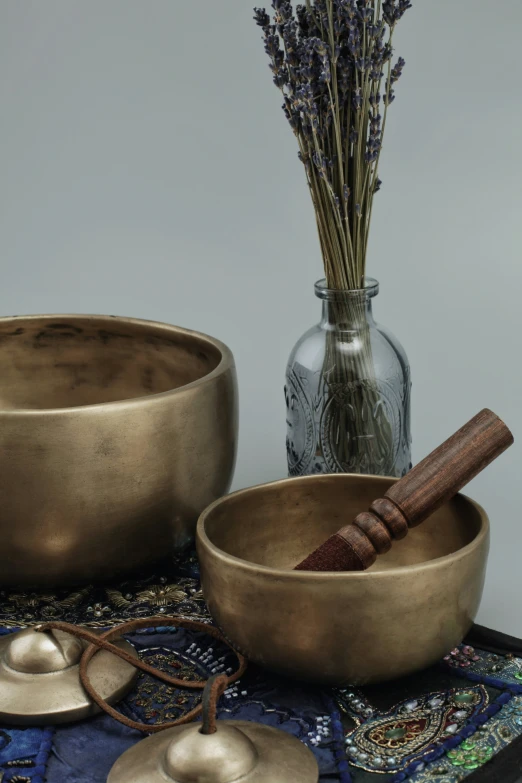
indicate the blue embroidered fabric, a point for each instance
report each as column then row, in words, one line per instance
column 303, row 713
column 443, row 725
column 24, row 754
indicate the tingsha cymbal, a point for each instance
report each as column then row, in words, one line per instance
column 238, row 750
column 40, row 681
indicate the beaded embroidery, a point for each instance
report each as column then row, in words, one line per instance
column 482, row 746
column 385, row 742
column 441, row 737
column 466, row 659
column 174, row 590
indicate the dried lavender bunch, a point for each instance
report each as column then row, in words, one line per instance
column 333, row 62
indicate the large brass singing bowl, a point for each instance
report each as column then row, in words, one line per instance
column 115, row 433
column 411, row 608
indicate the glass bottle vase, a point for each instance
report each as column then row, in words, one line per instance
column 348, row 392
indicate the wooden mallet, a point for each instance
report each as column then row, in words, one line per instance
column 415, row 497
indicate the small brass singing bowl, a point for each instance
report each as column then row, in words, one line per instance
column 115, row 434
column 410, row 609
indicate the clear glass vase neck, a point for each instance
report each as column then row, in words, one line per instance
column 346, row 310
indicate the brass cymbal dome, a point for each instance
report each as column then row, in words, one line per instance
column 237, row 751
column 229, row 752
column 40, row 678
column 42, row 653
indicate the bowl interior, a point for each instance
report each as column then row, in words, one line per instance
column 278, row 524
column 62, row 362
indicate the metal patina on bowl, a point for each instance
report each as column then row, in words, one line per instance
column 115, row 433
column 404, row 614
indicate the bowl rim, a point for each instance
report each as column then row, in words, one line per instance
column 202, row 539
column 225, row 363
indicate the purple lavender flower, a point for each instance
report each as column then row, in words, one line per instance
column 273, row 48
column 283, row 13
column 293, row 116
column 322, row 48
column 329, row 59
column 363, row 64
column 344, row 76
column 374, row 142
column 394, row 10
column 303, row 22
column 387, row 53
column 375, row 122
column 396, row 72
column 348, row 9
column 325, row 77
column 261, row 17
column 388, row 12
column 322, row 165
column 374, row 30
column 372, row 154
column 354, row 42
column 366, row 15
column 305, row 98
column 305, row 160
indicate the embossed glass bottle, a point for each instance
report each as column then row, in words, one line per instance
column 348, row 392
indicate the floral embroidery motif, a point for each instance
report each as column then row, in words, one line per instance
column 175, row 590
column 162, row 595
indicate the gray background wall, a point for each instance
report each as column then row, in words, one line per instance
column 146, row 170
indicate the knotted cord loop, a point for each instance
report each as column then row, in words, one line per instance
column 216, row 684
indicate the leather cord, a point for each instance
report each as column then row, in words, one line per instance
column 214, row 688
column 217, row 684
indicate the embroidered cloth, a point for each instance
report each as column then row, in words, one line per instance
column 458, row 721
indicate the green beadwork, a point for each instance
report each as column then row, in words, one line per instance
column 458, row 761
column 518, row 676
column 469, row 755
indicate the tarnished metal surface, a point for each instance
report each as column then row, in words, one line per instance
column 40, row 678
column 114, row 435
column 239, row 751
column 416, row 603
